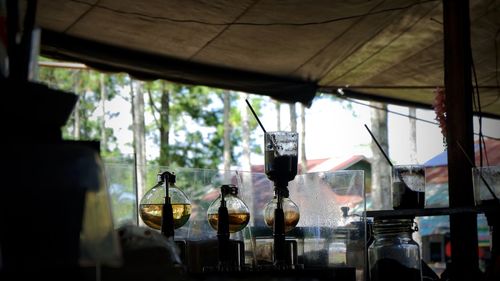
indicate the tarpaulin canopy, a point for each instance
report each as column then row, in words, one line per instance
column 386, row 50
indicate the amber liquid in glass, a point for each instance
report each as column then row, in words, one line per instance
column 237, row 221
column 151, row 214
column 291, row 220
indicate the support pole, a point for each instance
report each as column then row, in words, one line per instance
column 458, row 87
column 279, row 230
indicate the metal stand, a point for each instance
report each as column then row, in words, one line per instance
column 223, row 236
column 279, row 229
column 167, row 214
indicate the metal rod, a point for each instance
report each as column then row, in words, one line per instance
column 167, row 214
column 223, row 232
column 256, row 117
column 379, row 147
column 279, row 231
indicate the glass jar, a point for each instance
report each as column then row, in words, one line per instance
column 394, row 255
column 408, row 187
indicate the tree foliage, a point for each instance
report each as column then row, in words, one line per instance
column 187, row 126
column 195, row 123
column 85, row 83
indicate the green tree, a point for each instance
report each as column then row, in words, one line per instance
column 188, row 124
column 381, row 170
column 302, row 139
column 179, row 111
column 236, row 127
column 228, row 127
column 90, row 86
column 161, row 115
column 139, row 134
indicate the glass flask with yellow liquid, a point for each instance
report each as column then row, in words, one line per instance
column 290, row 211
column 238, row 212
column 153, row 201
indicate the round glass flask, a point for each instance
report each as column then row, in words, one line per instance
column 394, row 255
column 290, row 211
column 239, row 214
column 150, row 207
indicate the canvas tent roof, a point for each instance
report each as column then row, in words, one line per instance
column 388, row 50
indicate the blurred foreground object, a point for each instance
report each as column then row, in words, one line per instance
column 147, row 255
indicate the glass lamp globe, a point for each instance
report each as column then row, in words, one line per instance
column 290, row 210
column 239, row 214
column 150, row 207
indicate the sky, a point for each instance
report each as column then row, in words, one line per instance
column 332, row 130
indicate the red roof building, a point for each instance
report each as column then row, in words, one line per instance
column 437, row 167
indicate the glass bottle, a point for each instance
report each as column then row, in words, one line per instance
column 394, row 255
column 150, row 207
column 239, row 214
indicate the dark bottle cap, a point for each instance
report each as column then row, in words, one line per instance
column 229, row 189
column 170, row 176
